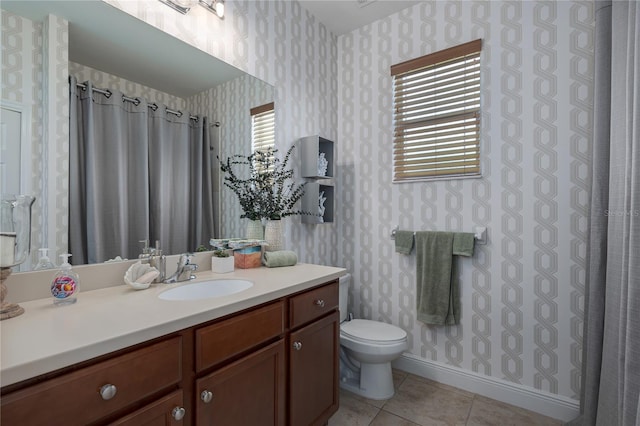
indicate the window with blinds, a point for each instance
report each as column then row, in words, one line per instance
column 437, row 115
column 263, row 128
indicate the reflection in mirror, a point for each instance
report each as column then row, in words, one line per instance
column 115, row 51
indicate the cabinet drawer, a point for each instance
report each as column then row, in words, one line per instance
column 159, row 412
column 225, row 339
column 75, row 398
column 312, row 304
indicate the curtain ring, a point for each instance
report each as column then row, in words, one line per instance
column 154, row 106
column 108, row 94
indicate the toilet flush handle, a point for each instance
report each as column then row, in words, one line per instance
column 320, row 303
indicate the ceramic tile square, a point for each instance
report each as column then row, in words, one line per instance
column 353, row 411
column 442, row 385
column 489, row 412
column 424, row 403
column 387, row 419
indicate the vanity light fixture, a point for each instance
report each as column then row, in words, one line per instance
column 182, row 6
column 214, row 6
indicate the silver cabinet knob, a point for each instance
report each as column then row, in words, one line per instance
column 108, row 391
column 297, row 345
column 178, row 413
column 320, row 303
column 206, row 396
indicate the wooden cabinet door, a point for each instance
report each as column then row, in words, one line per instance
column 248, row 392
column 313, row 372
column 158, row 413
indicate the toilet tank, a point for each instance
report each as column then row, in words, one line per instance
column 343, row 293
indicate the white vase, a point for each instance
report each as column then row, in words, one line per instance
column 273, row 235
column 254, row 230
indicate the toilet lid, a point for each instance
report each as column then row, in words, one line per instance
column 372, row 330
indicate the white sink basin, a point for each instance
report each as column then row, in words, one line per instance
column 206, row 289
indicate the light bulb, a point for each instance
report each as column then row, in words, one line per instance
column 220, row 9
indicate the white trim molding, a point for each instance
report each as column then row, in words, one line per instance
column 556, row 406
column 25, row 143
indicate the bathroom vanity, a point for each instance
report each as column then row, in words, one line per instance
column 267, row 355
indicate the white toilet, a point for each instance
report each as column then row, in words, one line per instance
column 366, row 351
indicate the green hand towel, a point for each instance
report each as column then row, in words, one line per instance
column 463, row 243
column 438, row 299
column 404, row 242
column 274, row 259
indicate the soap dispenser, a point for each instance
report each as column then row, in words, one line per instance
column 65, row 284
column 44, row 262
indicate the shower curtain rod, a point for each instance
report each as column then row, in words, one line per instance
column 136, row 101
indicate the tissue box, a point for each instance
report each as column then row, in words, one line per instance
column 250, row 257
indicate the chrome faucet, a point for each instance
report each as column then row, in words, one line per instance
column 184, row 270
column 159, row 261
column 154, row 257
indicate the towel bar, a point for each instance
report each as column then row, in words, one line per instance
column 480, row 234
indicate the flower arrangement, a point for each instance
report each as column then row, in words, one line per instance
column 268, row 192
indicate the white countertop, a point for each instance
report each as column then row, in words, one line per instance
column 48, row 337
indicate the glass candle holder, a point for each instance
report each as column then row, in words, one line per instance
column 15, row 243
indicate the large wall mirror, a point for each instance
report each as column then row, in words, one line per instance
column 116, row 51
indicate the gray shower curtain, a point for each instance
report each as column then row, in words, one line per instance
column 135, row 174
column 611, row 347
column 181, row 203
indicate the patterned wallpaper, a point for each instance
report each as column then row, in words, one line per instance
column 522, row 292
column 34, row 73
column 21, row 53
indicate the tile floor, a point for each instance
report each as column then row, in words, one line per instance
column 422, row 402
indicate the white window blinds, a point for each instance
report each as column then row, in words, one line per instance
column 437, row 115
column 263, row 127
column 263, row 131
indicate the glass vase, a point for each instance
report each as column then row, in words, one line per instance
column 15, row 240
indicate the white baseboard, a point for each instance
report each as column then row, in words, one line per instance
column 556, row 406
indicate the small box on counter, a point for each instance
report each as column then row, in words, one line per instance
column 249, row 257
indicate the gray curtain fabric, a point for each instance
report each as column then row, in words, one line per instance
column 135, row 174
column 180, row 182
column 611, row 349
column 108, row 178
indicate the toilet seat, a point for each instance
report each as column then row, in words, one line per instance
column 375, row 332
